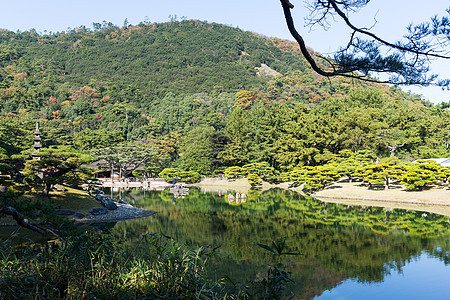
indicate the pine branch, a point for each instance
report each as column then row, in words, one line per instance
column 21, row 221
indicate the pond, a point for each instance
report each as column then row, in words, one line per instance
column 347, row 252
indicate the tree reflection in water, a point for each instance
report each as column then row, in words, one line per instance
column 337, row 241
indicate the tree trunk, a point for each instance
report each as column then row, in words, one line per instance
column 112, row 174
column 47, row 189
column 392, row 150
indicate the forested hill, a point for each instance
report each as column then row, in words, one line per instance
column 144, row 62
column 194, row 91
column 178, row 57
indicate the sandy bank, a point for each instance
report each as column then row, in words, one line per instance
column 149, row 184
column 356, row 191
column 435, row 200
column 240, row 185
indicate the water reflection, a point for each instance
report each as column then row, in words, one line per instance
column 422, row 278
column 338, row 242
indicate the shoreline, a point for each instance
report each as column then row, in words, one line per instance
column 435, row 200
column 122, row 213
column 439, row 195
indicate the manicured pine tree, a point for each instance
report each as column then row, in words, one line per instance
column 420, row 175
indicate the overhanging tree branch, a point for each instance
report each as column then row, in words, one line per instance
column 405, row 63
column 287, row 6
column 375, row 37
column 21, row 221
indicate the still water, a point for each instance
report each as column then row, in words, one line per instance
column 347, row 252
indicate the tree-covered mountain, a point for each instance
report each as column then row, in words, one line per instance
column 201, row 92
column 177, row 57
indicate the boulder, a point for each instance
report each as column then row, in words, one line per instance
column 118, row 201
column 108, row 203
column 64, row 212
column 98, row 211
column 97, row 192
column 78, row 215
column 100, row 197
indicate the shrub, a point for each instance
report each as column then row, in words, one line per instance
column 233, row 172
column 186, row 176
column 253, row 179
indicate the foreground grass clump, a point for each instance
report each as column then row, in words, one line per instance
column 99, row 266
column 95, row 265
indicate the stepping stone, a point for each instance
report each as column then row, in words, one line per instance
column 78, row 215
column 98, row 211
column 64, row 212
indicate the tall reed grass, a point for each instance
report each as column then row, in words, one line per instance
column 99, row 266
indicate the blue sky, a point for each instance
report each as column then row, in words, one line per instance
column 261, row 16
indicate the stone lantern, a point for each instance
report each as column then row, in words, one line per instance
column 37, row 142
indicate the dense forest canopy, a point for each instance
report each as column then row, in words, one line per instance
column 206, row 96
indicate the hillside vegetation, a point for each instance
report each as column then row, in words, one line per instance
column 193, row 92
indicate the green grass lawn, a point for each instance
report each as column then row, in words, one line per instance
column 71, row 198
column 75, row 199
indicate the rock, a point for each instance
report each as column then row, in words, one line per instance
column 78, row 215
column 100, row 197
column 98, row 211
column 65, row 212
column 59, row 187
column 98, row 192
column 118, row 201
column 265, row 70
column 108, row 203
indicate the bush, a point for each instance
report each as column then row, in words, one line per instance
column 233, row 172
column 253, row 179
column 189, row 176
column 186, row 176
column 169, row 174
